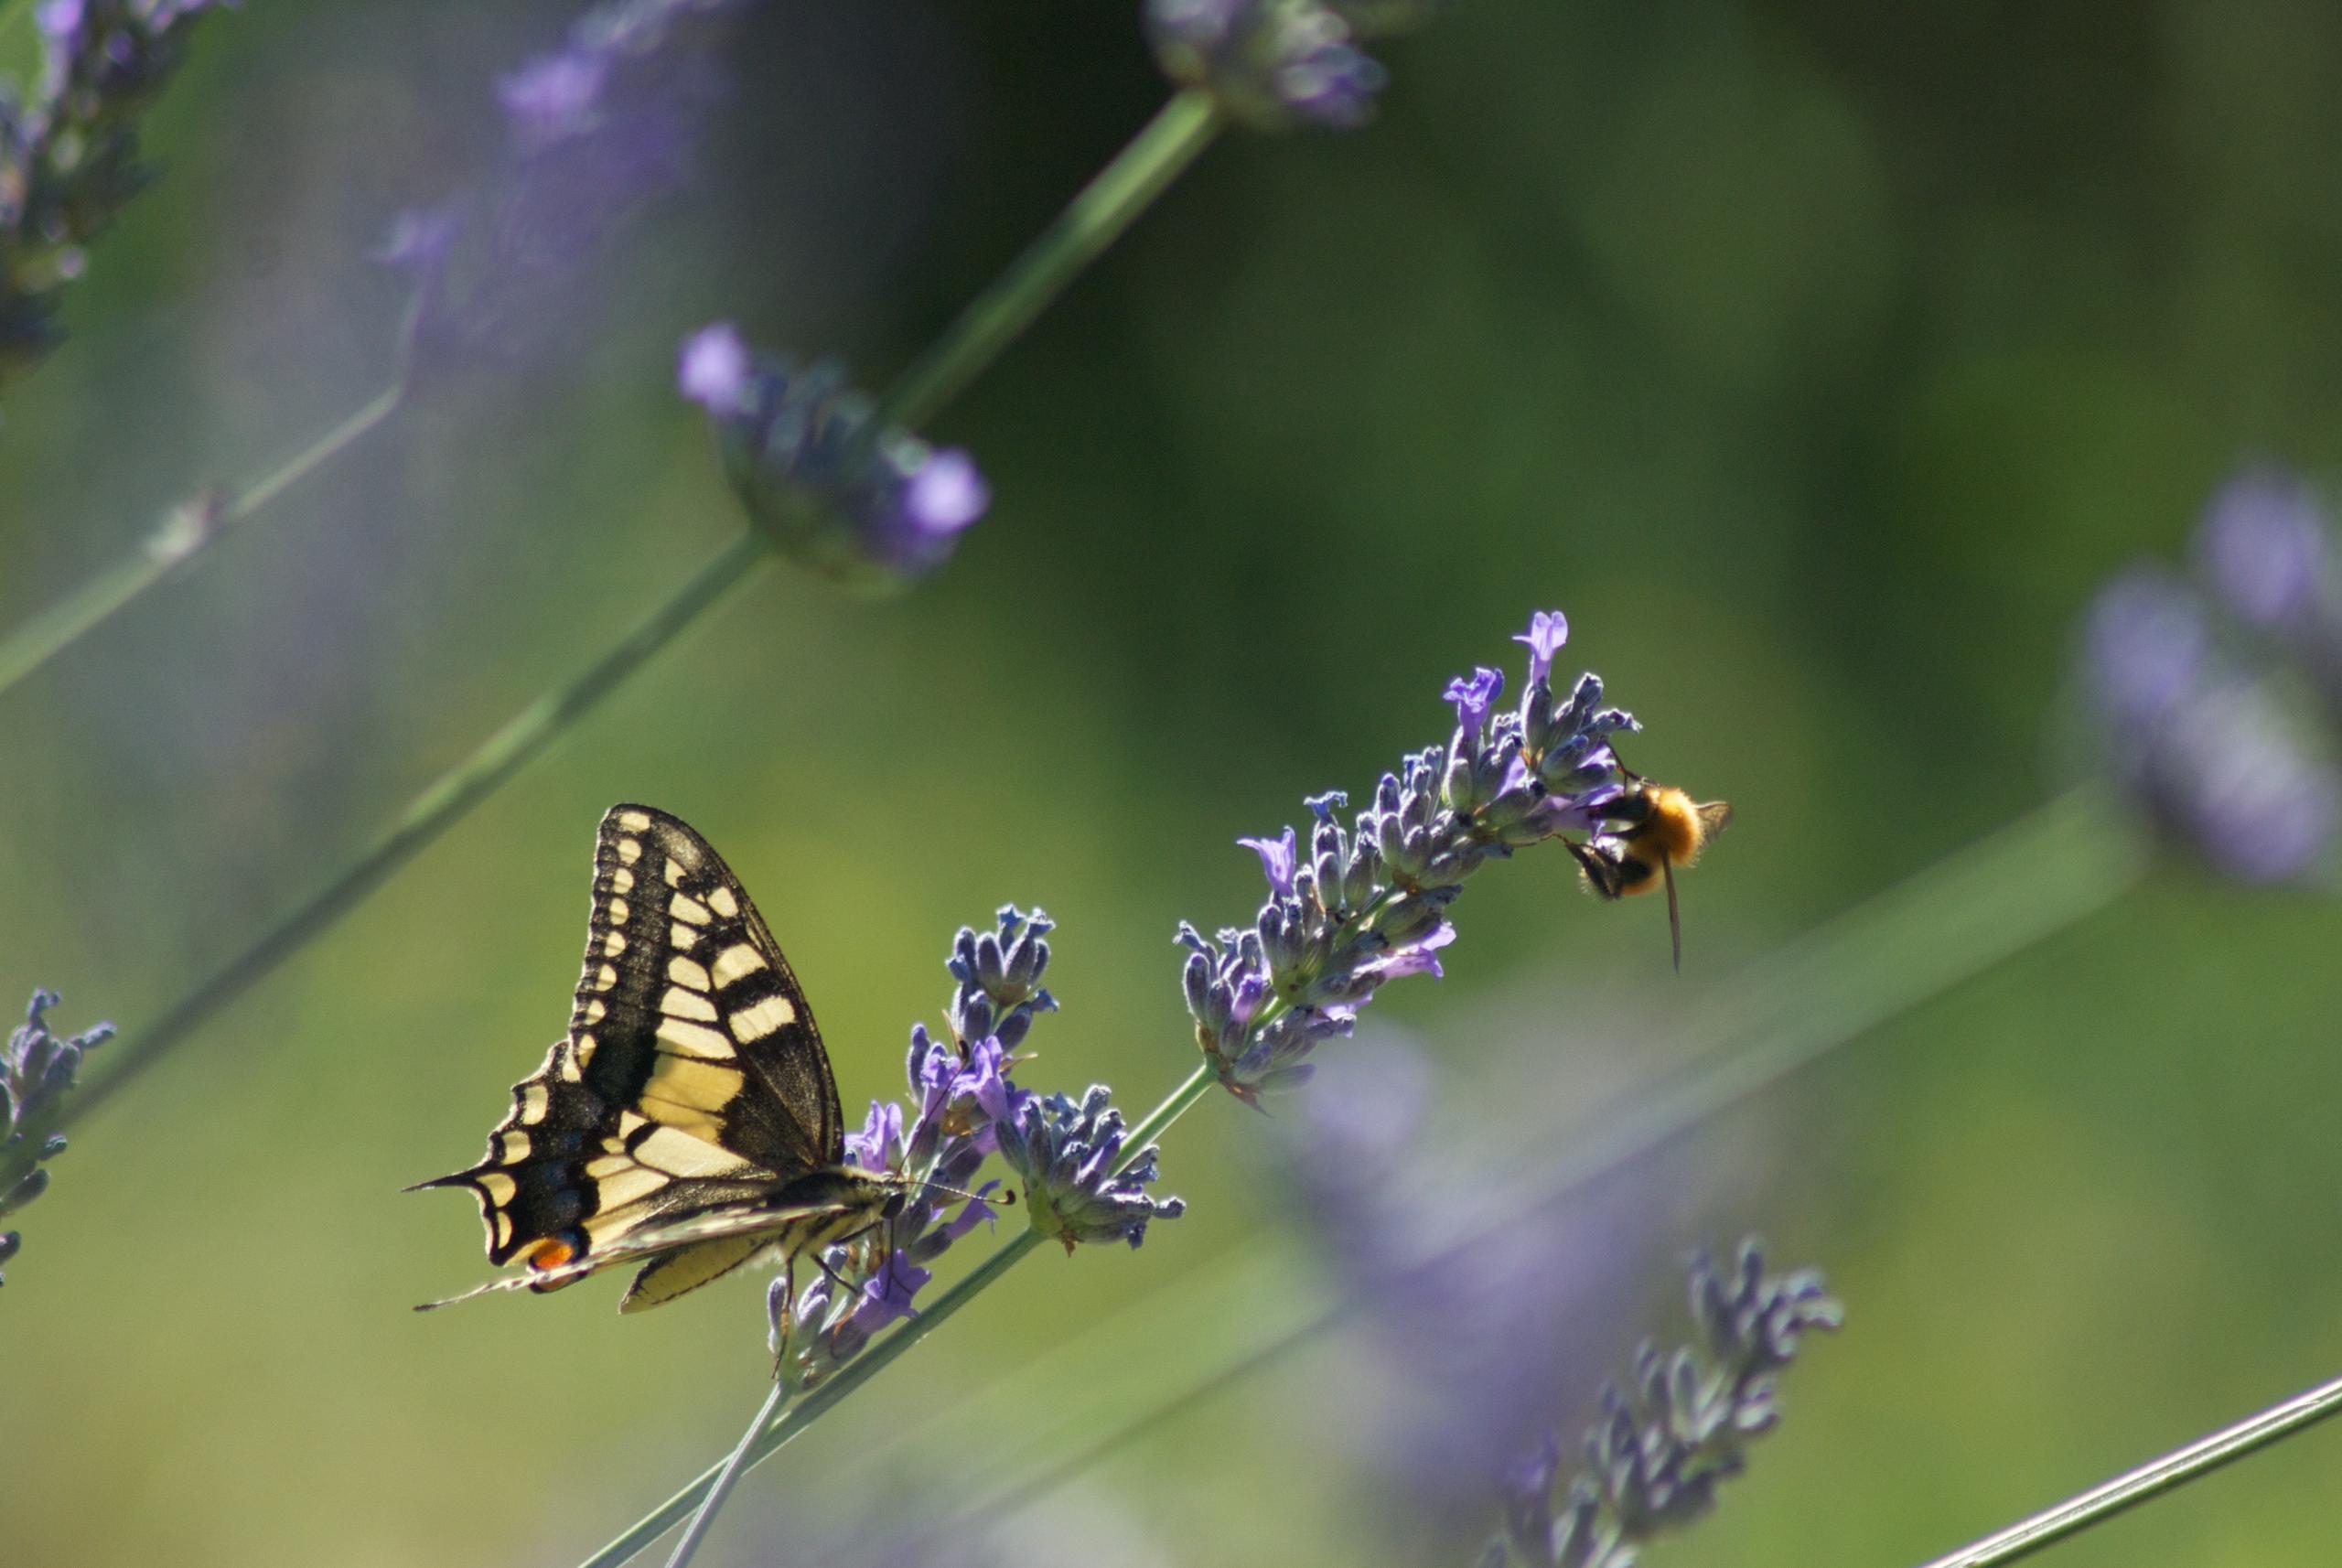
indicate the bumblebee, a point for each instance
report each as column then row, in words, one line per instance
column 1648, row 832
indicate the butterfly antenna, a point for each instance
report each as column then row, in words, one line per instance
column 450, row 1301
column 1007, row 1195
column 1674, row 921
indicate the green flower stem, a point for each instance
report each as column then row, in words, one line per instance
column 1095, row 218
column 1102, row 210
column 728, row 1476
column 430, row 814
column 2150, row 1480
column 771, row 1433
column 189, row 529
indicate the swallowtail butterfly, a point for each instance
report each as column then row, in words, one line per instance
column 689, row 1121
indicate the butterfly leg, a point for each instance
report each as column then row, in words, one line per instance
column 780, row 1306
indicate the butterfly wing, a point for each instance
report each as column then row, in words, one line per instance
column 694, row 1076
column 681, row 1254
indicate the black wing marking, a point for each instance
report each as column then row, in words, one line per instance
column 687, row 1013
column 568, row 1169
column 694, row 1076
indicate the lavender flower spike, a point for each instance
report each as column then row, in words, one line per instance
column 2200, row 745
column 68, row 158
column 1349, row 911
column 1271, row 64
column 37, row 1071
column 1654, row 1458
column 960, row 1098
column 1068, row 1154
column 601, row 127
column 873, row 507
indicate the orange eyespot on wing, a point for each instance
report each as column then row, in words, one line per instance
column 551, row 1253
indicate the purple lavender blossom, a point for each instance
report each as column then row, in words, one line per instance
column 2201, row 744
column 1473, row 696
column 1076, row 1186
column 947, row 494
column 69, row 157
column 1277, row 862
column 1365, row 907
column 713, row 369
column 1271, row 64
column 999, row 979
column 959, row 1091
column 2262, row 549
column 873, row 507
column 37, row 1072
column 2265, row 552
column 1663, row 1445
column 1548, row 629
column 963, row 1107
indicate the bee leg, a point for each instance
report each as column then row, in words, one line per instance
column 1601, row 875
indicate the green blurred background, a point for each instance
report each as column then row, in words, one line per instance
column 1818, row 359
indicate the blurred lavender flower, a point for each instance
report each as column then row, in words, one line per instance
column 873, row 507
column 68, row 158
column 1661, row 1447
column 1270, row 63
column 1357, row 908
column 598, row 128
column 1473, row 1343
column 2189, row 706
column 1068, row 1154
column 2265, row 550
column 35, row 1074
column 2263, row 546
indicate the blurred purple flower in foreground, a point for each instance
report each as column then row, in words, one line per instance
column 1351, row 910
column 2189, row 703
column 1274, row 64
column 37, row 1072
column 69, row 157
column 1473, row 1339
column 599, row 128
column 873, row 507
column 1663, row 1444
column 1270, row 63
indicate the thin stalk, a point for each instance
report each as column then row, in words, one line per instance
column 1093, row 220
column 807, row 1411
column 1102, row 210
column 190, row 529
column 777, row 1432
column 427, row 816
column 2150, row 1480
column 726, row 1477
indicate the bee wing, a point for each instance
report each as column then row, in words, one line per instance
column 1714, row 816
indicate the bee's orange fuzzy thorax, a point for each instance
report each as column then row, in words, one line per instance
column 1673, row 826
